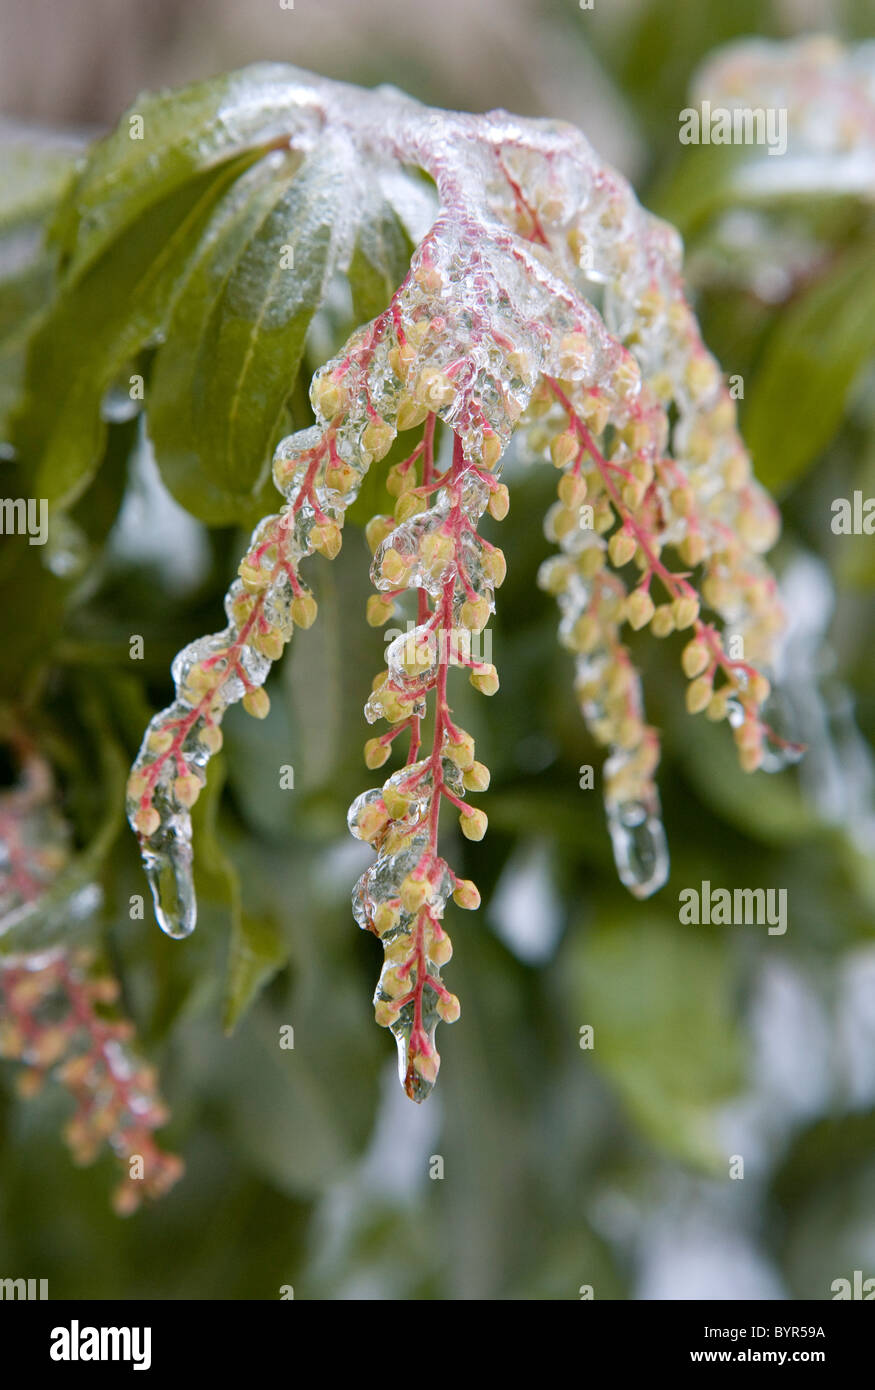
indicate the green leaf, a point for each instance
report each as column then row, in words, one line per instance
column 659, row 998
column 380, row 260
column 94, row 330
column 256, row 952
column 236, row 338
column 34, row 170
column 809, row 365
column 23, row 296
column 164, row 140
column 257, row 948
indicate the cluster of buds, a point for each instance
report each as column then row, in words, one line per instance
column 658, row 516
column 58, row 1016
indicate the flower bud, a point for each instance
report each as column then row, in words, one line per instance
column 621, row 548
column 694, row 658
column 466, row 894
column 304, row 610
column 257, row 703
column 699, row 694
column 461, row 750
column 686, row 611
column 376, row 752
column 499, row 502
column 473, row 824
column 377, row 530
column 484, row 678
column 449, row 1008
column 379, row 610
column 476, row 777
column 638, row 609
column 564, row 448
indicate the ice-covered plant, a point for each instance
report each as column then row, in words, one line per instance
column 58, row 1008
column 507, row 284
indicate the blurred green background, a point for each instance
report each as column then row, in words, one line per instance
column 562, row 1166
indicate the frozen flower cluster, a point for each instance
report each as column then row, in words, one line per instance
column 541, row 299
column 58, row 1015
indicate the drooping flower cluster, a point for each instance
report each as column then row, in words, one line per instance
column 828, row 93
column 496, row 326
column 57, row 1014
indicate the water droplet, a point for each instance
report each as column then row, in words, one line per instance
column 170, row 878
column 781, row 749
column 640, row 847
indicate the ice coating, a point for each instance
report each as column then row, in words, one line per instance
column 492, row 329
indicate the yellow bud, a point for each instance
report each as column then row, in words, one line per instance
column 495, row 566
column 686, row 611
column 565, row 447
column 682, row 499
column 396, row 804
column 409, row 504
column 717, row 705
column 638, row 609
column 441, row 950
column 328, row 396
column 413, row 893
column 211, row 737
column 270, row 644
column 304, row 610
column 484, row 678
column 694, row 658
column 475, row 614
column 327, row 539
column 499, row 502
column 253, row 579
column 434, row 388
column 473, row 824
column 759, row 688
column 621, row 548
column 376, row 752
column 466, row 894
column 393, row 566
column 379, row 610
column 377, row 530
column 257, row 703
column 461, row 751
column 400, row 480
column 572, row 490
column 586, row 632
column 699, row 694
column 160, row 741
column 692, row 549
column 449, row 1008
column 401, row 358
column 386, row 1012
column 410, row 414
column 341, row 477
column 186, row 789
column 476, row 777
column 147, row 820
column 377, row 438
column 386, row 918
column 137, row 783
column 662, row 622
column 491, row 450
